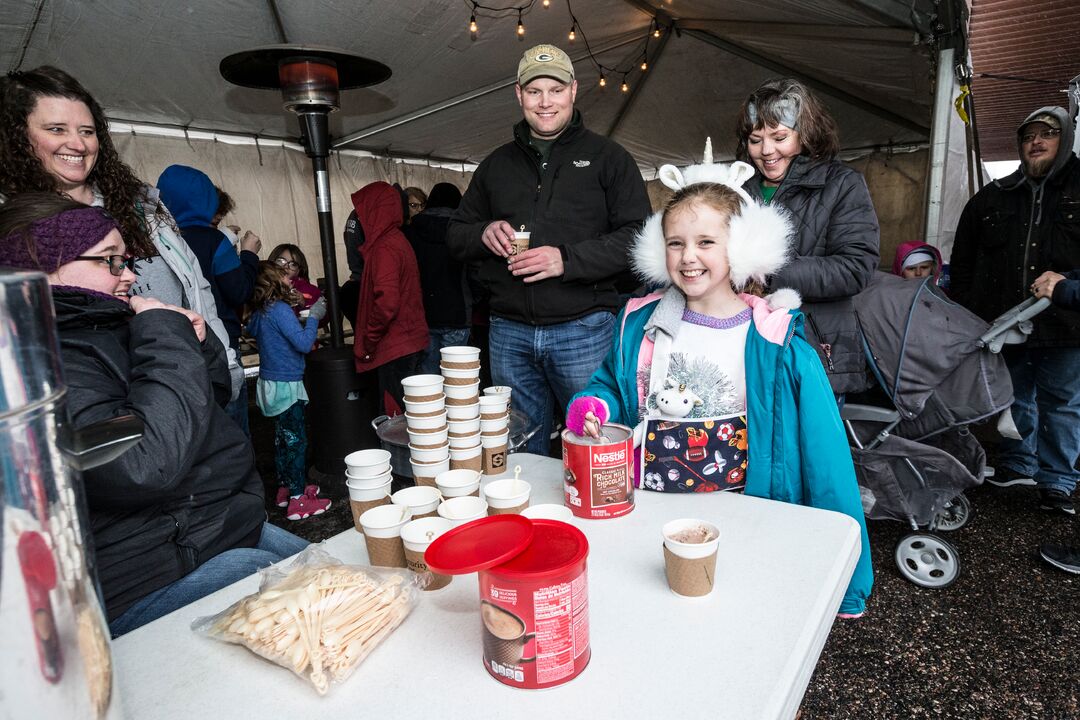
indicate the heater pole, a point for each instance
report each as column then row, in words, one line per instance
column 314, row 126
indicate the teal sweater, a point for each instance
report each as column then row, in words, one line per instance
column 798, row 448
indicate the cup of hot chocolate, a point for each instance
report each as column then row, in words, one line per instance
column 520, row 243
column 690, row 548
column 504, row 635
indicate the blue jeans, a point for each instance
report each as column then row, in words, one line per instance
column 220, row 571
column 1046, row 410
column 545, row 364
column 438, row 338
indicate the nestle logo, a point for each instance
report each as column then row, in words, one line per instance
column 609, row 457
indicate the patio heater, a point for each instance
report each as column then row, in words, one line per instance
column 310, row 78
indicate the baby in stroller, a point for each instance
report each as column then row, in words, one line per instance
column 936, row 367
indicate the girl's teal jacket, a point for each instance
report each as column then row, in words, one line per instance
column 798, row 448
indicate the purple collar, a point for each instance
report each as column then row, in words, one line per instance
column 696, row 318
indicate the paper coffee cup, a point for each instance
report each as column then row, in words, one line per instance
column 499, row 390
column 494, row 404
column 382, row 534
column 428, row 454
column 509, row 495
column 424, row 473
column 494, row 456
column 367, row 463
column 458, row 483
column 426, row 422
column 463, row 412
column 362, row 499
column 421, row 500
column 421, row 388
column 416, row 536
column 366, row 483
column 457, row 354
column 520, row 243
column 458, row 394
column 427, row 439
column 464, row 509
column 464, row 428
column 690, row 548
column 425, row 408
column 494, row 426
column 467, row 458
column 460, row 376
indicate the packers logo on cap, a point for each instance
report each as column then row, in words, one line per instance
column 544, row 57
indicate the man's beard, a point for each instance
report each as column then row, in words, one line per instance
column 1038, row 168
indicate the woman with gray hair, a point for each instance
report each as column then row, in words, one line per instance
column 792, row 141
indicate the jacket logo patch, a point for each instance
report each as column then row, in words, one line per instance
column 581, row 163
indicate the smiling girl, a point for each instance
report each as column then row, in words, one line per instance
column 760, row 417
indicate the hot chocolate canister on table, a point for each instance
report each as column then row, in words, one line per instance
column 598, row 475
column 534, row 595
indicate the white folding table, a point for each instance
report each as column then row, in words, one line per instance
column 747, row 650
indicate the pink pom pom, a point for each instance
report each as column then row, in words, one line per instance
column 582, row 406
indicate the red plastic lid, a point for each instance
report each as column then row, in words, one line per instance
column 479, row 545
column 555, row 548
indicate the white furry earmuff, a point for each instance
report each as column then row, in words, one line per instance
column 758, row 238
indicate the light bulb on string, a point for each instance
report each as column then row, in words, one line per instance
column 603, row 80
column 472, row 24
column 624, row 87
column 644, row 65
column 573, row 35
column 656, row 29
column 547, row 3
column 520, row 27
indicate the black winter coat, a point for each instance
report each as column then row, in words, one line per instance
column 442, row 277
column 1005, row 239
column 589, row 200
column 189, row 490
column 836, row 251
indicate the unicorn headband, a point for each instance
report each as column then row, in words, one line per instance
column 757, row 237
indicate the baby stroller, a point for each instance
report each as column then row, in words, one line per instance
column 939, row 368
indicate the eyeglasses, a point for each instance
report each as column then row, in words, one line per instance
column 416, row 205
column 290, row 264
column 1042, row 134
column 116, row 263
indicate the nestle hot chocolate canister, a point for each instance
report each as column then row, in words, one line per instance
column 598, row 479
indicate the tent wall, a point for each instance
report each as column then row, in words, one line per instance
column 273, row 187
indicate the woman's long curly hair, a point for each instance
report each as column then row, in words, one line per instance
column 21, row 171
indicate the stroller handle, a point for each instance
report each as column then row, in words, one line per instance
column 1013, row 326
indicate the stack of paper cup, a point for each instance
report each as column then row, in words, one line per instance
column 425, row 417
column 367, row 477
column 460, row 366
column 494, row 432
column 416, row 536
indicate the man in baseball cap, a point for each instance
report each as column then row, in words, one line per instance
column 581, row 198
column 1010, row 234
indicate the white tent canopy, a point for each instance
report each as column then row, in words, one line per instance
column 450, row 99
column 157, row 61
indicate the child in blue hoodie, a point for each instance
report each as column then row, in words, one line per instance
column 724, row 389
column 280, row 392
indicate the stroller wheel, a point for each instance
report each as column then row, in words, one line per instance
column 927, row 560
column 955, row 515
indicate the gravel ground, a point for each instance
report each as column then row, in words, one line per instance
column 1002, row 642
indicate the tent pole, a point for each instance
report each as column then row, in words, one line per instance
column 939, row 145
column 657, row 54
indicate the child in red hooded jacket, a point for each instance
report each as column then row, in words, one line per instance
column 391, row 332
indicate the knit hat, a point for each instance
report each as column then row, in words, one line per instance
column 918, row 256
column 758, row 238
column 545, row 61
column 56, row 240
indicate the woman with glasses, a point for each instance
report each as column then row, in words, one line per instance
column 181, row 514
column 54, row 138
column 416, row 200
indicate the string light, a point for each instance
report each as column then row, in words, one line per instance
column 656, row 29
column 624, row 87
column 472, row 24
column 644, row 64
column 603, row 80
column 547, row 3
column 573, row 35
column 521, row 27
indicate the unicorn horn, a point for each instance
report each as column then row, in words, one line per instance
column 707, row 160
